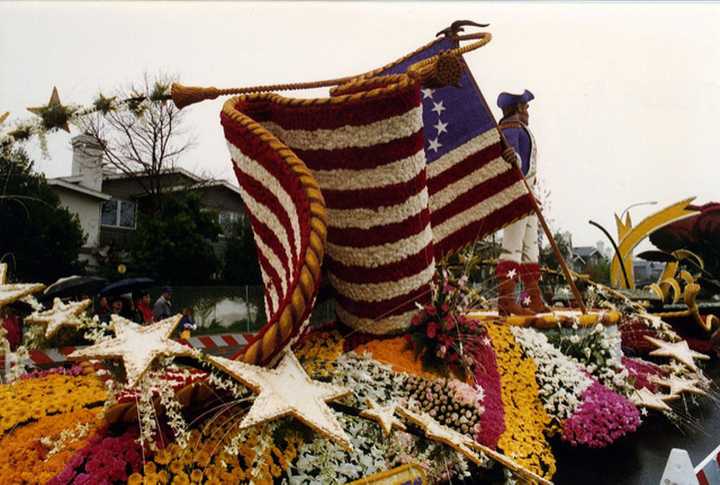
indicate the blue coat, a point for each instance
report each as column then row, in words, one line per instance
column 519, row 139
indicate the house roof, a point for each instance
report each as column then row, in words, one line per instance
column 68, row 185
column 584, row 251
column 167, row 171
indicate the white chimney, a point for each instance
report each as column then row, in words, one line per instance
column 87, row 161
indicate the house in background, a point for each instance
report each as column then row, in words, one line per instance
column 107, row 202
column 584, row 256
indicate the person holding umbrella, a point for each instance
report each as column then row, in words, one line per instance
column 163, row 305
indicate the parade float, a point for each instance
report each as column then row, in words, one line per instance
column 419, row 379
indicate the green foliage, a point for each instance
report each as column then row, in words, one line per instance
column 599, row 271
column 43, row 238
column 241, row 265
column 547, row 255
column 173, row 245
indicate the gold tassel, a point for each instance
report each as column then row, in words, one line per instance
column 186, row 95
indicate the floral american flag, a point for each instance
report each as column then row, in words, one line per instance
column 473, row 191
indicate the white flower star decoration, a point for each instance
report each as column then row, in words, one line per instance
column 678, row 350
column 13, row 292
column 438, row 432
column 427, row 93
column 434, row 145
column 287, row 390
column 384, row 416
column 646, row 399
column 438, row 108
column 440, row 127
column 511, row 274
column 678, row 385
column 60, row 315
column 137, row 345
column 526, row 301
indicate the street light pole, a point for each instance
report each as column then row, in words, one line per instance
column 650, row 202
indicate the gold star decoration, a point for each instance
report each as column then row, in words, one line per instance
column 287, row 390
column 137, row 345
column 60, row 315
column 646, row 399
column 54, row 114
column 678, row 385
column 383, row 416
column 13, row 292
column 678, row 350
column 4, row 116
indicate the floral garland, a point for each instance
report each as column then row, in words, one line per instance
column 525, row 417
column 397, row 353
column 26, row 452
column 492, row 421
column 31, row 399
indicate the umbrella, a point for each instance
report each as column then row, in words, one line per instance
column 73, row 286
column 126, row 286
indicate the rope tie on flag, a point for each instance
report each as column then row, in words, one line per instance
column 440, row 70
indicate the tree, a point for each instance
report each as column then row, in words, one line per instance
column 564, row 243
column 241, row 265
column 175, row 244
column 43, row 238
column 145, row 141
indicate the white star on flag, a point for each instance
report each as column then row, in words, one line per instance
column 434, row 145
column 441, row 127
column 438, row 108
column 427, row 93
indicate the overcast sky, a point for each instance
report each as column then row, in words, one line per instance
column 627, row 95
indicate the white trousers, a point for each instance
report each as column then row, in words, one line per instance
column 520, row 241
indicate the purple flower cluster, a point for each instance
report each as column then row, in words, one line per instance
column 73, row 371
column 105, row 460
column 492, row 421
column 603, row 417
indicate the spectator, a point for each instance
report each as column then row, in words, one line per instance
column 11, row 323
column 163, row 305
column 103, row 309
column 187, row 323
column 142, row 308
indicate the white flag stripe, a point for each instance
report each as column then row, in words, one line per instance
column 274, row 262
column 376, row 326
column 449, row 193
column 383, row 254
column 479, row 211
column 253, row 169
column 462, row 152
column 372, row 292
column 371, row 134
column 397, row 172
column 382, row 216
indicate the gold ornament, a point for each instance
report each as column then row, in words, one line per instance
column 53, row 105
column 383, row 416
column 137, row 345
column 677, row 350
column 13, row 292
column 679, row 385
column 287, row 390
column 60, row 315
column 4, row 116
column 646, row 399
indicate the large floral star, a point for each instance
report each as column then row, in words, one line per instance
column 137, row 345
column 287, row 390
column 646, row 399
column 60, row 315
column 677, row 350
column 679, row 385
column 54, row 113
column 384, row 416
column 10, row 293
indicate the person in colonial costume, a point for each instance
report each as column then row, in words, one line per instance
column 519, row 259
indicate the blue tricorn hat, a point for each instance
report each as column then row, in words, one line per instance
column 505, row 100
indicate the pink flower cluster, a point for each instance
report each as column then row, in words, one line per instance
column 73, row 371
column 641, row 371
column 105, row 460
column 492, row 421
column 602, row 418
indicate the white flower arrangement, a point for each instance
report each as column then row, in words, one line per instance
column 560, row 379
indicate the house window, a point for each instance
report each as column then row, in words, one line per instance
column 118, row 213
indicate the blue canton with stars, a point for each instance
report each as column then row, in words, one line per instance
column 451, row 116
